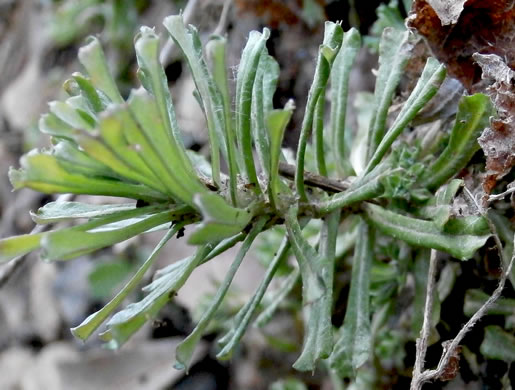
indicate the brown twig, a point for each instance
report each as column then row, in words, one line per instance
column 314, row 180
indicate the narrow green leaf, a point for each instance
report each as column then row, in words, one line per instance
column 427, row 86
column 354, row 344
column 472, row 118
column 262, row 106
column 51, row 124
column 146, row 143
column 216, row 48
column 258, row 115
column 97, row 100
column 224, row 245
column 185, row 349
column 242, row 319
column 318, row 131
column 277, row 120
column 43, row 173
column 244, row 86
column 471, row 224
column 394, row 52
column 92, row 58
column 182, row 177
column 71, row 116
column 122, row 166
column 147, row 53
column 12, row 247
column 339, row 93
column 80, row 104
column 364, row 107
column 66, row 244
column 270, row 80
column 169, row 280
column 219, row 220
column 212, row 103
column 93, row 321
column 315, row 270
column 20, row 245
column 333, row 36
column 75, row 160
column 113, row 132
column 498, row 344
column 424, row 233
column 277, row 297
column 61, row 211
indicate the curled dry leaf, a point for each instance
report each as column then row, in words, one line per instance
column 486, row 27
column 476, row 44
column 498, row 141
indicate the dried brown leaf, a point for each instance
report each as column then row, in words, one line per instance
column 498, row 141
column 478, row 49
column 486, row 27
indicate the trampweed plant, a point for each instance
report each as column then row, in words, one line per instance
column 386, row 195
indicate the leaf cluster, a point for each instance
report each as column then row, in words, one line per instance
column 397, row 205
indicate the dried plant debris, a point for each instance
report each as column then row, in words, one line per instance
column 453, row 367
column 476, row 44
column 498, row 141
column 486, row 27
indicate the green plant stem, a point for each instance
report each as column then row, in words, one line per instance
column 314, row 180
